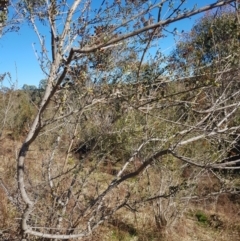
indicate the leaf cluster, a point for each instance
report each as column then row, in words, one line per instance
column 212, row 42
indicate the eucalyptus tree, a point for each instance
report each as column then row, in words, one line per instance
column 212, row 43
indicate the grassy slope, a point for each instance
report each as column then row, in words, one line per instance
column 216, row 218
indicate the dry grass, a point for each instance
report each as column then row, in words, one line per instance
column 220, row 214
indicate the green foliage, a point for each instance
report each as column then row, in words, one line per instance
column 16, row 111
column 212, row 42
column 24, row 112
column 216, row 37
column 42, row 84
column 202, row 217
column 29, row 87
column 32, row 5
column 3, row 16
column 33, row 93
column 117, row 235
column 3, row 10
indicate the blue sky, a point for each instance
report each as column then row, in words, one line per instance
column 17, row 53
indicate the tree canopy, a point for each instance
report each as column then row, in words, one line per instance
column 212, row 43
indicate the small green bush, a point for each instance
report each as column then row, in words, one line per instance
column 202, row 218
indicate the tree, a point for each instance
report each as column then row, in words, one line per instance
column 212, row 43
column 3, row 11
column 209, row 50
column 42, row 84
column 119, row 130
